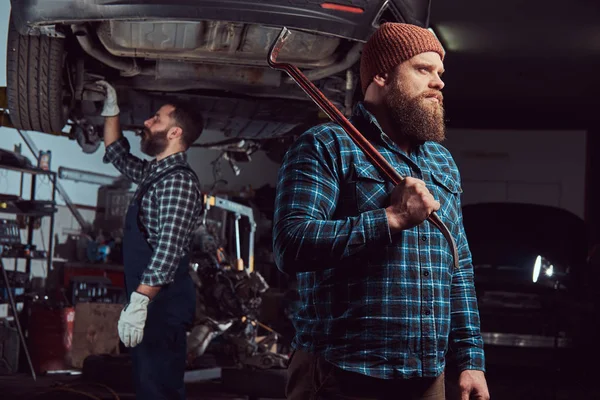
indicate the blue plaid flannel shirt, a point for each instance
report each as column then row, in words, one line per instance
column 380, row 305
column 171, row 209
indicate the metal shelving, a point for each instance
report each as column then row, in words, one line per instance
column 34, row 173
column 32, row 215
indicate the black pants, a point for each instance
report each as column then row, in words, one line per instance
column 310, row 377
column 159, row 363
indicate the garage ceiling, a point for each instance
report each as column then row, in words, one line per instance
column 520, row 64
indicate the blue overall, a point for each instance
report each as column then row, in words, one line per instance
column 159, row 360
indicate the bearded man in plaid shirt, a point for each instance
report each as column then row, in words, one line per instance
column 162, row 216
column 380, row 301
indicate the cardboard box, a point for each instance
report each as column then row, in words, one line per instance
column 94, row 331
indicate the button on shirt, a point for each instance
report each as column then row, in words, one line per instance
column 381, row 305
column 170, row 210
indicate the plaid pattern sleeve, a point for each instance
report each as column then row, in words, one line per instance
column 465, row 335
column 177, row 200
column 129, row 165
column 307, row 195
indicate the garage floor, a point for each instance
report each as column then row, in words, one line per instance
column 505, row 384
column 22, row 387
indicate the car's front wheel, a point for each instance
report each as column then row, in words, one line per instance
column 34, row 81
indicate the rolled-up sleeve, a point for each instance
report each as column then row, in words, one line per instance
column 118, row 154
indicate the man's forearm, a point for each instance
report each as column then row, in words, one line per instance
column 308, row 244
column 117, row 152
column 112, row 130
column 149, row 291
column 465, row 335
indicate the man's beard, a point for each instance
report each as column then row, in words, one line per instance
column 418, row 119
column 154, row 143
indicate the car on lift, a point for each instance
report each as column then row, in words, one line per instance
column 210, row 53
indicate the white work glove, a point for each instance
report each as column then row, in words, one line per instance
column 132, row 320
column 111, row 108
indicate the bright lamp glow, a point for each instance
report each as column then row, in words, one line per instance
column 537, row 267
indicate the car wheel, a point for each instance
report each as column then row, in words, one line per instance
column 34, row 81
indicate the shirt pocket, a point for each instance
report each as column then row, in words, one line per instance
column 447, row 192
column 372, row 191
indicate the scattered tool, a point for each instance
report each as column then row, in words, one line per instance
column 332, row 112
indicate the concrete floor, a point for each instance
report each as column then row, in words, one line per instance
column 504, row 384
column 22, row 387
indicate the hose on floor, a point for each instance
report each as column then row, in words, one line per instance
column 69, row 389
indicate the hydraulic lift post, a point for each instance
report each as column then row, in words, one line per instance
column 239, row 210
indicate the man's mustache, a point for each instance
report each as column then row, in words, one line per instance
column 434, row 93
column 143, row 132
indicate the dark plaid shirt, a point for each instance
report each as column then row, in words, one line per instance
column 170, row 210
column 381, row 305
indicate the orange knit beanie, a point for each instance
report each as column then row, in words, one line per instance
column 392, row 44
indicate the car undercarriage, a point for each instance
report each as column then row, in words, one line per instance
column 211, row 54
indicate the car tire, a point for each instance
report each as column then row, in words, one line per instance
column 34, row 84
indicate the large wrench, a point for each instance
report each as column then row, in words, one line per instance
column 332, row 112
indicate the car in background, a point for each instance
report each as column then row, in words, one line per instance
column 533, row 284
column 211, row 53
